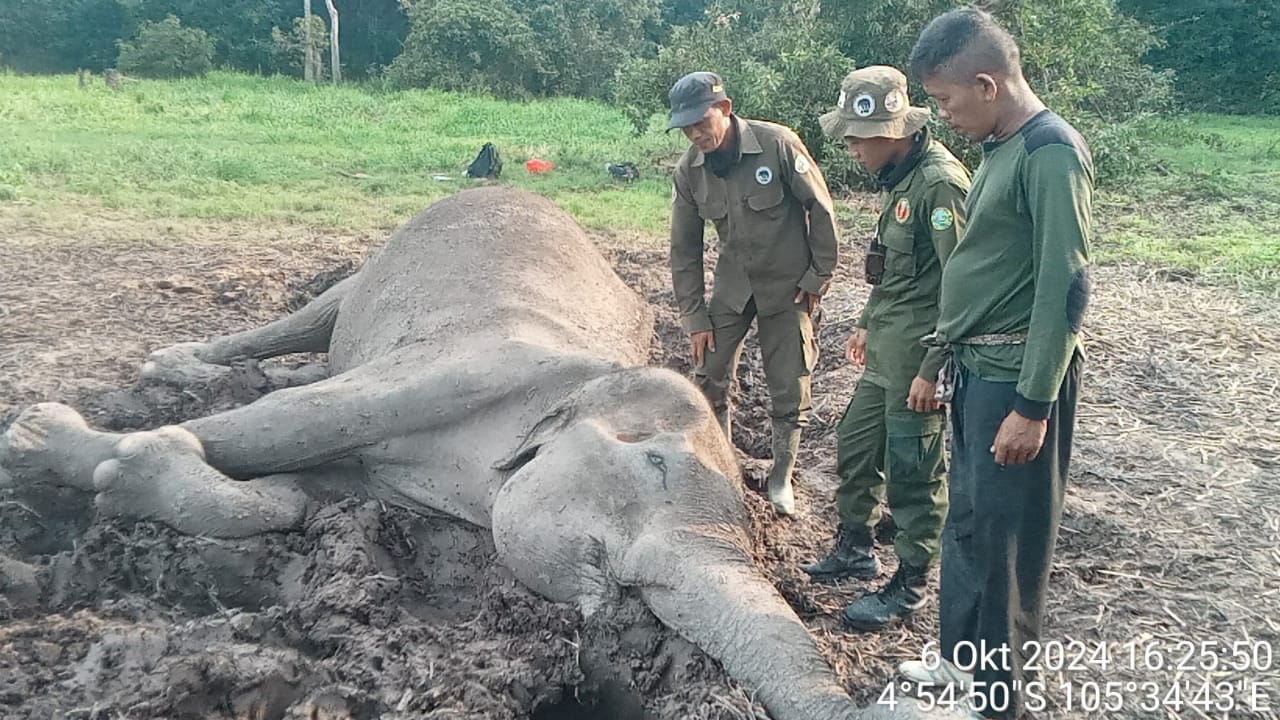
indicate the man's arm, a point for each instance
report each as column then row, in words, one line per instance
column 810, row 188
column 946, row 221
column 1059, row 192
column 687, row 229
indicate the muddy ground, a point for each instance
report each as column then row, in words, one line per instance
column 1170, row 534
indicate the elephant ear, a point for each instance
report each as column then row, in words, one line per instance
column 542, row 433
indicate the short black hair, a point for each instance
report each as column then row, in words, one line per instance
column 965, row 41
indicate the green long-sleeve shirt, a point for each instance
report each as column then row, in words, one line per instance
column 1022, row 265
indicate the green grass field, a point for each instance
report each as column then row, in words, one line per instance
column 243, row 147
column 238, row 147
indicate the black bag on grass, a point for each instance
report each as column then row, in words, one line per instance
column 487, row 164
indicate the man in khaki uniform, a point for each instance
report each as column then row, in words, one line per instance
column 891, row 433
column 773, row 214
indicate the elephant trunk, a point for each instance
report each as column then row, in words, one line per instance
column 720, row 602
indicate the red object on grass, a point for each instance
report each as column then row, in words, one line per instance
column 539, row 166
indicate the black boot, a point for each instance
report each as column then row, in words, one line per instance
column 850, row 557
column 901, row 596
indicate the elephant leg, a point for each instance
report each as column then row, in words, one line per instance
column 307, row 330
column 395, row 396
column 162, row 475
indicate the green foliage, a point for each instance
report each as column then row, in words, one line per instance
column 783, row 72
column 463, row 45
column 1082, row 56
column 290, row 47
column 165, row 49
column 41, row 36
column 1224, row 51
column 520, row 48
column 44, row 36
column 583, row 42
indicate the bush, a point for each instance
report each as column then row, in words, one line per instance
column 467, row 46
column 784, row 72
column 520, row 48
column 1223, row 51
column 165, row 49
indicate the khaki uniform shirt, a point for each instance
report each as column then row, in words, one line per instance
column 922, row 217
column 774, row 219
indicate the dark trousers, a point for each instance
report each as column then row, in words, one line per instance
column 997, row 545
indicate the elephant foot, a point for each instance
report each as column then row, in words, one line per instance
column 162, row 475
column 50, row 442
column 183, row 365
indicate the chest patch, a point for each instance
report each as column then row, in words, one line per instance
column 764, row 175
column 942, row 219
column 903, row 210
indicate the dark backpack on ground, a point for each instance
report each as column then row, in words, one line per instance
column 487, row 164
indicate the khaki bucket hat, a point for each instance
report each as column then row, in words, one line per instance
column 873, row 103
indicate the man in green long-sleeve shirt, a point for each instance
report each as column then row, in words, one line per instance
column 1012, row 302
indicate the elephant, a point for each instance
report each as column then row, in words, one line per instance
column 488, row 363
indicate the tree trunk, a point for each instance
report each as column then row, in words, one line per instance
column 309, row 50
column 335, row 63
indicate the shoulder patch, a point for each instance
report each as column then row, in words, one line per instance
column 942, row 219
column 802, row 164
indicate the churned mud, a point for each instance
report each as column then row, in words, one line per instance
column 372, row 612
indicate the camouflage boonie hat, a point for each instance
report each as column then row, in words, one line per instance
column 873, row 103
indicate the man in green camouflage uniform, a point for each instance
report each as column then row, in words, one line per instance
column 891, row 435
column 758, row 185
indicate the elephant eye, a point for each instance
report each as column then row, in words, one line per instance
column 660, row 463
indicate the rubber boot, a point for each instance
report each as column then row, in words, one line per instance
column 786, row 445
column 850, row 557
column 901, row 596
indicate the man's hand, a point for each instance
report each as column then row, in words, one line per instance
column 1019, row 439
column 702, row 342
column 856, row 348
column 921, row 397
column 810, row 301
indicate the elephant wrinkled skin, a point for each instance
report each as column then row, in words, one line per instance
column 487, row 363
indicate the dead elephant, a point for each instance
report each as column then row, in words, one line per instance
column 488, row 363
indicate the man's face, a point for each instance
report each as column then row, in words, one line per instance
column 968, row 106
column 872, row 153
column 709, row 132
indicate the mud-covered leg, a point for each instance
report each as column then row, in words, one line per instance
column 307, row 330
column 51, row 443
column 162, row 475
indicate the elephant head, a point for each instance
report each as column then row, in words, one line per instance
column 631, row 483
